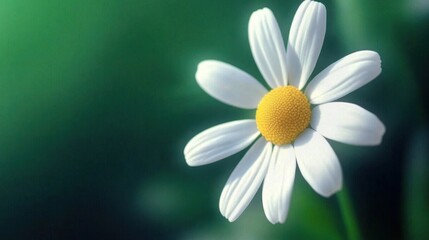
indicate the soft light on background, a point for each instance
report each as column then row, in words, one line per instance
column 98, row 99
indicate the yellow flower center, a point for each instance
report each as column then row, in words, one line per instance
column 283, row 114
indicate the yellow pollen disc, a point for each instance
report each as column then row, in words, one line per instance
column 283, row 114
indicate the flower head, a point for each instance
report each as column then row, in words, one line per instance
column 292, row 123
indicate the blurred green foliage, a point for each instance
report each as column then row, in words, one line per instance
column 98, row 99
column 416, row 192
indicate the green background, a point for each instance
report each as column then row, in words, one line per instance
column 98, row 99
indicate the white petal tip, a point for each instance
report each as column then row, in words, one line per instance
column 193, row 162
column 380, row 134
column 262, row 11
column 190, row 162
column 228, row 215
column 229, row 84
column 277, row 221
column 200, row 67
column 332, row 192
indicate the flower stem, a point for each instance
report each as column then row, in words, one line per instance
column 348, row 215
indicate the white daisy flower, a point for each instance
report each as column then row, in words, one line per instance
column 292, row 131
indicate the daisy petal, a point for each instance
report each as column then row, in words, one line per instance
column 267, row 47
column 347, row 123
column 344, row 76
column 318, row 163
column 220, row 141
column 245, row 180
column 229, row 84
column 278, row 183
column 305, row 41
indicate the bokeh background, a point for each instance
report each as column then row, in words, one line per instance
column 98, row 99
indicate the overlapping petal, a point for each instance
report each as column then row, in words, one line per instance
column 267, row 47
column 344, row 76
column 278, row 183
column 347, row 123
column 229, row 84
column 245, row 180
column 220, row 141
column 318, row 163
column 305, row 41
